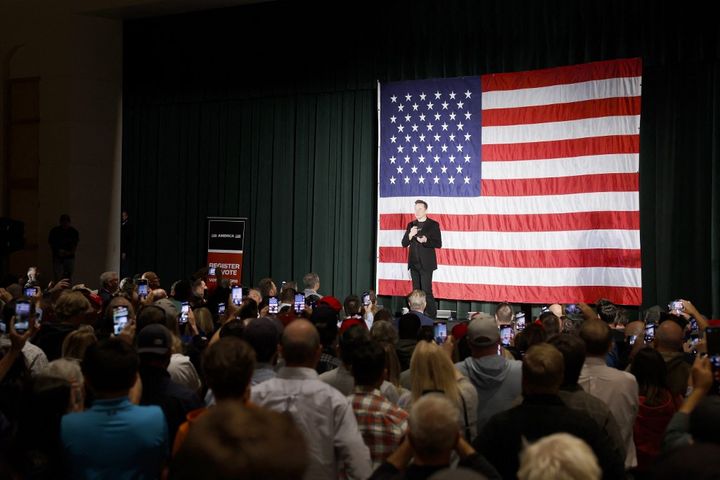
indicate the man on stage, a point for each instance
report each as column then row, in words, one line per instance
column 423, row 237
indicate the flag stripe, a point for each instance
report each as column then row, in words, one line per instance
column 524, row 258
column 561, row 167
column 551, row 277
column 575, row 147
column 554, row 131
column 519, row 293
column 615, row 182
column 561, row 94
column 607, row 107
column 580, row 202
column 631, row 67
column 571, row 240
column 528, row 223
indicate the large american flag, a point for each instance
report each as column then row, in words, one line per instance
column 533, row 177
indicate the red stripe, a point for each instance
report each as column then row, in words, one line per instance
column 559, row 112
column 514, row 294
column 550, row 222
column 576, row 147
column 617, row 258
column 631, row 67
column 606, row 182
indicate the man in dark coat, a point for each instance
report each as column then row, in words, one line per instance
column 423, row 236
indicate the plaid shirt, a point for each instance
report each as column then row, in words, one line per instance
column 381, row 422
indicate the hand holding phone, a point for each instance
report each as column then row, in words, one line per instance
column 184, row 312
column 506, row 335
column 143, row 288
column 366, row 299
column 236, row 294
column 120, row 318
column 440, row 332
column 273, row 306
column 299, row 302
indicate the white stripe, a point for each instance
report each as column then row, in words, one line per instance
column 545, row 277
column 562, row 240
column 225, row 251
column 564, row 93
column 562, row 167
column 580, row 202
column 552, row 131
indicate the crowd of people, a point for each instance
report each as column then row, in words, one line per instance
column 130, row 380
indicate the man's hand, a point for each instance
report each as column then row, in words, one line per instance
column 448, row 346
column 413, row 232
column 17, row 341
column 463, row 448
column 61, row 285
column 401, row 457
column 422, row 239
column 702, row 374
column 5, row 296
column 127, row 334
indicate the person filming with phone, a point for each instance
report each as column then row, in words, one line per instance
column 423, row 236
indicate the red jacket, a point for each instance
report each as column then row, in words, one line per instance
column 649, row 428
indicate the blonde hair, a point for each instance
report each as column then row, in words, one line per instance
column 71, row 304
column 558, row 457
column 431, row 370
column 76, row 342
column 204, row 320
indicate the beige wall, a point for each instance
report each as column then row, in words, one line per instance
column 79, row 62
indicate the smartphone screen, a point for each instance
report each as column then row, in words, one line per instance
column 184, row 309
column 300, row 302
column 632, row 339
column 221, row 308
column 520, row 321
column 120, row 318
column 366, row 299
column 506, row 335
column 31, row 292
column 237, row 295
column 572, row 309
column 143, row 290
column 712, row 337
column 273, row 306
column 211, row 271
column 693, row 325
column 440, row 332
column 22, row 315
column 649, row 333
column 678, row 305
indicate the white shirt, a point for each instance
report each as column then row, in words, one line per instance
column 35, row 359
column 325, row 418
column 182, row 371
column 342, row 379
column 619, row 391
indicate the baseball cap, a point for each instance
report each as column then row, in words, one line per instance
column 331, row 302
column 483, row 330
column 171, row 311
column 154, row 338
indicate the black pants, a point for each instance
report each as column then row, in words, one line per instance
column 422, row 280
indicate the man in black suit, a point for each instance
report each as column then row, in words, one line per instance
column 423, row 237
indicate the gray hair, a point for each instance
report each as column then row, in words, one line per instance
column 311, row 279
column 105, row 277
column 433, row 424
column 560, row 456
column 416, row 300
column 67, row 369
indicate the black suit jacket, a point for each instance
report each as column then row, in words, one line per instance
column 425, row 251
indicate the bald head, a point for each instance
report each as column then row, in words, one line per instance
column 300, row 344
column 669, row 337
column 597, row 337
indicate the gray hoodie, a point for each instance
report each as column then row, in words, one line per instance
column 497, row 381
